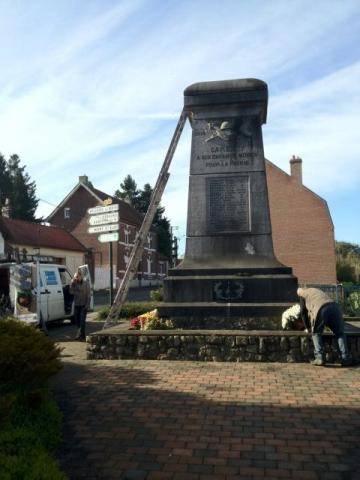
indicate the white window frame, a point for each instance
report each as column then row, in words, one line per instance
column 127, row 236
column 149, row 265
column 67, row 212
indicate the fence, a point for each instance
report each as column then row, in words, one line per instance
column 347, row 295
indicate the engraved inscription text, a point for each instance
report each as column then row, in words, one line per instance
column 228, row 204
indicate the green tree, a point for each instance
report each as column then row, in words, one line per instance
column 348, row 262
column 128, row 190
column 22, row 191
column 140, row 200
column 345, row 272
column 5, row 186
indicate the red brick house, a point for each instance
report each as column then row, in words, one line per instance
column 71, row 214
column 303, row 232
column 24, row 241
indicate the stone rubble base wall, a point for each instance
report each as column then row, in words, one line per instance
column 214, row 346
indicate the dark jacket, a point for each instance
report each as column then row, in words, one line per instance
column 311, row 301
column 81, row 292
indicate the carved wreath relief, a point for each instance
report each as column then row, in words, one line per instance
column 228, row 291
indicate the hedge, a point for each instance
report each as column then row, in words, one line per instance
column 30, row 420
column 129, row 310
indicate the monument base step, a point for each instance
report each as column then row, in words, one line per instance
column 239, row 272
column 246, row 286
column 230, row 315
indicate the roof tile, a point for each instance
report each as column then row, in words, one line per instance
column 37, row 235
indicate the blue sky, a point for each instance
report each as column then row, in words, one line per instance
column 95, row 87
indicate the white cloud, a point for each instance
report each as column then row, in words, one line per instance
column 103, row 96
column 319, row 123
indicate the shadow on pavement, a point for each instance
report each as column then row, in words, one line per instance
column 156, row 420
column 66, row 332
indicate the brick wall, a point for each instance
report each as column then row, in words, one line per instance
column 302, row 228
column 78, row 204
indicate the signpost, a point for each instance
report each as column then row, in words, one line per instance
column 107, row 209
column 105, row 221
column 104, row 218
column 108, row 237
column 104, row 228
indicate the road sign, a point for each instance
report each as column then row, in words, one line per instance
column 108, row 237
column 104, row 218
column 113, row 227
column 106, row 209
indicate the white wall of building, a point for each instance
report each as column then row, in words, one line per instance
column 71, row 259
column 2, row 245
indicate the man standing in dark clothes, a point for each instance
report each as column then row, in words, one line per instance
column 318, row 311
column 80, row 288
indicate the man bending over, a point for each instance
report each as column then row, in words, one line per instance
column 318, row 311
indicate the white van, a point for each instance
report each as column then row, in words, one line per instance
column 54, row 297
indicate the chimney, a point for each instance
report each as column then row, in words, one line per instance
column 6, row 209
column 296, row 169
column 84, row 179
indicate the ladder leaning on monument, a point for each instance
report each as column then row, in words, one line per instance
column 139, row 242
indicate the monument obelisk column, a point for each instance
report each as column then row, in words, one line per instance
column 228, row 226
column 228, row 210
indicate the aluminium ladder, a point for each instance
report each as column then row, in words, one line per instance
column 137, row 250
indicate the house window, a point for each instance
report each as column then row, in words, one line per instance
column 149, row 262
column 67, row 212
column 127, row 236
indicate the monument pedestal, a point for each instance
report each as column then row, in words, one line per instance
column 230, row 275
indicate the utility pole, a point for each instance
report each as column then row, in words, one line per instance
column 111, row 299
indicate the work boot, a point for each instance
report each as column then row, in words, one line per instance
column 318, row 362
column 347, row 362
column 80, row 337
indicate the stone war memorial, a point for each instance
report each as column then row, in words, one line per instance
column 230, row 277
column 226, row 298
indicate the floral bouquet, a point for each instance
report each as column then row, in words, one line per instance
column 290, row 318
column 150, row 321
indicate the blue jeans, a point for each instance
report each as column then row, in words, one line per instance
column 330, row 316
column 80, row 319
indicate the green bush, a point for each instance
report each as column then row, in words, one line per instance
column 159, row 324
column 33, row 464
column 30, row 424
column 157, row 295
column 27, row 431
column 352, row 304
column 103, row 313
column 27, row 357
column 30, row 420
column 129, row 310
column 133, row 309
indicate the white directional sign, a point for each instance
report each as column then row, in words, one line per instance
column 108, row 237
column 104, row 218
column 113, row 227
column 107, row 209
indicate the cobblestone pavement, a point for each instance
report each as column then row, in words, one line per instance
column 196, row 421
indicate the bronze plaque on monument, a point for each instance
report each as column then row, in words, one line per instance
column 228, row 204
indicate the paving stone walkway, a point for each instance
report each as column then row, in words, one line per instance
column 196, row 421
